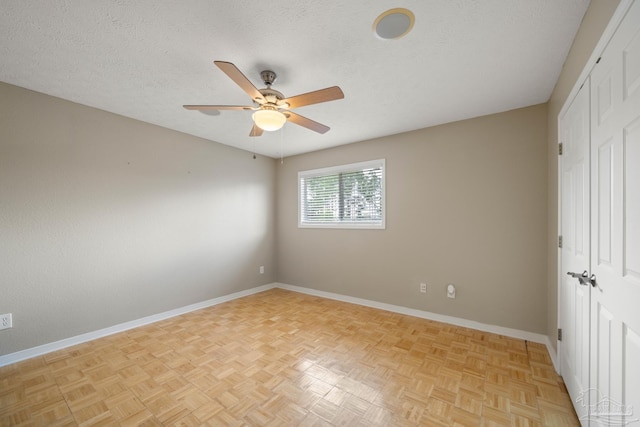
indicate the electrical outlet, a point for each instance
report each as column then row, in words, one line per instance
column 451, row 291
column 262, row 269
column 423, row 288
column 6, row 321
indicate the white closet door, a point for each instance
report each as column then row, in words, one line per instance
column 615, row 228
column 575, row 257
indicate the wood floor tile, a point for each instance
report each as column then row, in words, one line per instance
column 283, row 358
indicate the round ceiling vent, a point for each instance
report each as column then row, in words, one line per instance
column 394, row 23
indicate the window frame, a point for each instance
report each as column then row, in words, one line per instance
column 334, row 170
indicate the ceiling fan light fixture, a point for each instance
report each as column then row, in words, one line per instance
column 269, row 120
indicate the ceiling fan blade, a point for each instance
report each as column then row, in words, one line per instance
column 255, row 130
column 217, row 107
column 307, row 123
column 236, row 75
column 315, row 97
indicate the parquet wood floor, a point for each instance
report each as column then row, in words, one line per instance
column 285, row 358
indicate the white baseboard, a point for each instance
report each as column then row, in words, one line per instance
column 501, row 330
column 553, row 354
column 79, row 339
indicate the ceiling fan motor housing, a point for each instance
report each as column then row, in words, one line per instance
column 271, row 96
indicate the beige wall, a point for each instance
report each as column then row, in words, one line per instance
column 105, row 219
column 466, row 204
column 593, row 24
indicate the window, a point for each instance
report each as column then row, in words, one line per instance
column 348, row 196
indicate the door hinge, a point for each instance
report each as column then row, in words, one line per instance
column 560, row 149
column 560, row 242
column 559, row 334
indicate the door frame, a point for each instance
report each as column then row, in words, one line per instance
column 610, row 29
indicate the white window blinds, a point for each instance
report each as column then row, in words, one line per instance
column 347, row 196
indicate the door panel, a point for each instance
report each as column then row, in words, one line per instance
column 605, row 169
column 575, row 252
column 603, row 99
column 631, row 150
column 631, row 66
column 615, row 227
column 631, row 368
column 604, row 329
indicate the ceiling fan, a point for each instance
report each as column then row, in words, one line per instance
column 271, row 108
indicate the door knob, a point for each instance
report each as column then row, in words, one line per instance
column 594, row 283
column 582, row 278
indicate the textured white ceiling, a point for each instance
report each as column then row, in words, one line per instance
column 144, row 59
